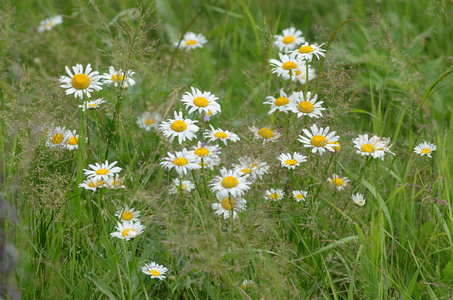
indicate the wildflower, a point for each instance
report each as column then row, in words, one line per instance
column 191, row 41
column 220, row 135
column 118, row 78
column 302, row 75
column 179, row 127
column 203, row 102
column 92, row 104
column 375, row 147
column 230, row 181
column 91, row 184
column 115, row 182
column 306, row 107
column 338, row 182
column 335, row 146
column 291, row 162
column 425, row 148
column 358, row 199
column 49, row 23
column 71, row 140
column 307, row 51
column 127, row 214
column 154, row 270
column 102, row 171
column 207, row 116
column 288, row 64
column 246, row 283
column 290, row 39
column 318, row 139
column 184, row 185
column 207, row 154
column 266, row 134
column 81, row 82
column 181, row 161
column 300, row 195
column 128, row 230
column 252, row 167
column 148, row 120
column 228, row 205
column 275, row 194
column 278, row 104
column 56, row 137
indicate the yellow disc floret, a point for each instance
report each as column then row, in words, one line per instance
column 288, row 39
column 281, row 101
column 102, row 171
column 80, row 81
column 274, row 196
column 289, row 65
column 426, row 151
column 368, row 148
column 127, row 215
column 221, row 135
column 305, row 107
column 291, row 162
column 126, row 232
column 154, row 272
column 265, row 133
column 200, row 102
column 73, row 141
column 335, row 146
column 117, row 77
column 150, row 121
column 57, row 138
column 228, row 203
column 191, row 42
column 178, row 126
column 319, row 141
column 229, row 182
column 180, row 161
column 202, row 151
column 299, row 196
column 306, row 49
column 338, row 181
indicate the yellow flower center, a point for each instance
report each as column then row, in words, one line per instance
column 126, row 232
column 183, row 186
column 274, row 196
column 200, row 102
column 102, row 171
column 202, row 151
column 305, row 107
column 208, row 114
column 338, row 181
column 191, row 42
column 57, row 138
column 180, row 161
column 288, row 39
column 265, row 133
column 151, row 121
column 154, row 273
column 289, row 65
column 246, row 171
column 73, row 141
column 299, row 196
column 91, row 184
column 228, row 203
column 368, row 148
column 80, row 81
column 117, row 77
column 254, row 165
column 229, row 182
column 426, row 151
column 298, row 72
column 319, row 141
column 49, row 24
column 221, row 135
column 337, row 147
column 306, row 49
column 178, row 126
column 127, row 215
column 92, row 105
column 243, row 286
column 281, row 101
column 100, row 183
column 291, row 162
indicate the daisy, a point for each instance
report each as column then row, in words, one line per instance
column 301, row 75
column 358, row 199
column 181, row 161
column 246, row 283
column 128, row 214
column 335, row 146
column 307, row 51
column 266, row 134
column 306, row 107
column 148, row 120
column 290, row 39
column 128, row 230
column 71, row 140
column 179, row 127
column 102, row 171
column 202, row 102
column 425, row 148
column 318, row 139
column 207, row 116
column 275, row 194
column 300, row 195
column 288, row 64
column 81, row 82
column 118, row 78
column 92, row 104
column 291, row 162
column 115, row 182
column 191, row 41
column 185, row 186
column 154, row 270
column 338, row 182
column 374, row 147
column 91, row 184
column 252, row 167
column 220, row 135
column 56, row 137
column 230, row 181
column 208, row 154
column 49, row 23
column 278, row 104
column 228, row 205
column 386, row 147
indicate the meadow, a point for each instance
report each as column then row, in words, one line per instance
column 226, row 149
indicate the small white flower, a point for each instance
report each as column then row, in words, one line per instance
column 307, row 51
column 220, row 135
column 358, row 199
column 91, row 184
column 118, row 78
column 227, row 204
column 278, row 104
column 115, row 182
column 49, row 23
column 291, row 162
column 375, row 147
column 230, row 181
column 181, row 161
column 191, row 41
column 306, row 107
column 318, row 139
column 93, row 104
column 154, row 270
column 208, row 155
column 202, row 102
column 148, row 120
column 56, row 137
column 274, row 194
column 335, row 146
column 288, row 64
column 102, row 171
column 128, row 214
column 81, row 82
column 265, row 134
column 300, row 195
column 128, row 230
column 246, row 283
column 71, row 140
column 425, row 148
column 253, row 167
column 338, row 182
column 184, row 185
column 179, row 127
column 289, row 40
column 302, row 76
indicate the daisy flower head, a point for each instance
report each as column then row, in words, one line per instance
column 228, row 205
column 246, row 283
column 288, row 64
column 49, row 23
column 275, row 194
column 128, row 214
column 338, row 182
column 425, row 148
column 154, row 270
column 318, row 139
column 291, row 161
column 92, row 104
column 374, row 147
column 289, row 40
column 306, row 107
column 300, row 195
column 81, row 81
column 278, row 104
column 252, row 167
column 307, row 51
column 202, row 102
column 207, row 153
column 56, row 137
column 230, row 181
column 358, row 199
column 191, row 41
column 115, row 182
column 91, row 184
column 335, row 146
column 102, row 171
column 179, row 127
column 181, row 161
column 71, row 140
column 148, row 120
column 128, row 230
column 265, row 134
column 184, row 185
column 302, row 75
column 220, row 135
column 118, row 78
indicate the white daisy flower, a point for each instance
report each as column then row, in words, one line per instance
column 425, row 148
column 185, row 186
column 300, row 195
column 92, row 104
column 102, row 171
column 115, row 182
column 318, row 139
column 128, row 230
column 335, row 146
column 252, row 167
column 118, row 78
column 290, row 39
column 278, row 104
column 148, row 120
column 81, row 82
column 191, row 41
column 306, row 107
column 358, row 199
column 56, row 137
column 374, row 147
column 208, row 155
column 265, row 134
column 230, row 181
column 154, row 270
column 49, row 23
column 288, row 64
column 307, row 51
column 91, row 184
column 202, row 102
column 71, row 140
column 386, row 147
column 179, row 127
column 181, row 161
column 338, row 182
column 220, row 135
column 228, row 204
column 301, row 75
column 275, row 194
column 128, row 214
column 246, row 283
column 291, row 162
